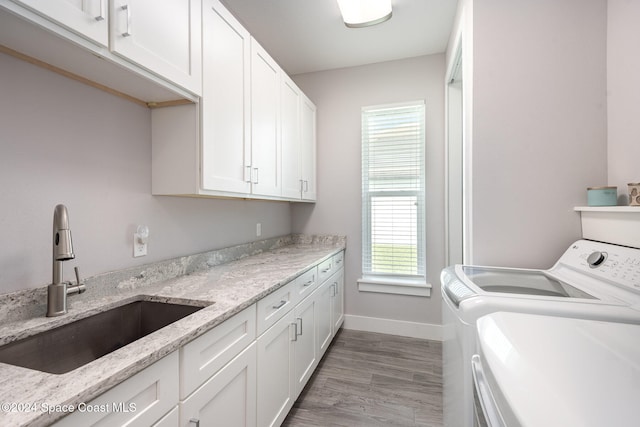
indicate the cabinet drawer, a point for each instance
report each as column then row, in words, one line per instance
column 338, row 260
column 272, row 307
column 305, row 284
column 204, row 356
column 325, row 269
column 139, row 401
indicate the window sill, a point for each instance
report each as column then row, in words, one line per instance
column 416, row 287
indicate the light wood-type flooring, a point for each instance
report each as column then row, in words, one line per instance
column 368, row 379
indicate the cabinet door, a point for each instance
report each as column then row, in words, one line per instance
column 172, row 419
column 275, row 372
column 228, row 398
column 85, row 17
column 265, row 144
column 324, row 298
column 163, row 37
column 139, row 401
column 306, row 343
column 337, row 301
column 308, row 148
column 290, row 137
column 226, row 138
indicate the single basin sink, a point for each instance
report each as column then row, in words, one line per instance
column 68, row 347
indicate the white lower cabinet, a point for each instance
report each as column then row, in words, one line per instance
column 228, row 398
column 206, row 355
column 276, row 385
column 337, row 300
column 323, row 321
column 306, row 354
column 169, row 420
column 141, row 400
column 218, row 374
column 231, row 376
column 290, row 350
column 330, row 302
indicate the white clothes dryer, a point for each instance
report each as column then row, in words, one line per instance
column 534, row 370
column 591, row 280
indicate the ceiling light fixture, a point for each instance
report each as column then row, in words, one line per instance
column 363, row 13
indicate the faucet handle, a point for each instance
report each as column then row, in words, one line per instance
column 77, row 271
column 79, row 286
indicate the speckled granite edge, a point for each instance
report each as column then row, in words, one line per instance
column 228, row 288
column 26, row 304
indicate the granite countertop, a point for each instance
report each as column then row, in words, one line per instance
column 225, row 281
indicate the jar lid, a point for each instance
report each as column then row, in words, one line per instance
column 602, row 188
column 634, row 183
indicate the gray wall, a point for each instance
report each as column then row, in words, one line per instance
column 339, row 96
column 623, row 89
column 64, row 142
column 537, row 137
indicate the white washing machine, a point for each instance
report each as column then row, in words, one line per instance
column 591, row 280
column 534, row 370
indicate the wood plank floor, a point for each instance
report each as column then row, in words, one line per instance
column 369, row 379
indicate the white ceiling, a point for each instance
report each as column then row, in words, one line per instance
column 309, row 35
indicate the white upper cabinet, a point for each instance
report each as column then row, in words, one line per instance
column 290, row 138
column 308, row 148
column 265, row 105
column 252, row 135
column 163, row 37
column 226, row 143
column 145, row 51
column 87, row 18
column 298, row 136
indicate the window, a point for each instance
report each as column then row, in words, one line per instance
column 393, row 187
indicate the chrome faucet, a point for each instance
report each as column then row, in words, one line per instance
column 58, row 290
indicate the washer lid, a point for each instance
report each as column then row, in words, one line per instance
column 551, row 371
column 522, row 282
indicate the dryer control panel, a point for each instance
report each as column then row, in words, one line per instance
column 617, row 264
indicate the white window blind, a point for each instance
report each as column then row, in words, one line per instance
column 393, row 187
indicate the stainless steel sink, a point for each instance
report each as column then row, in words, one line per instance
column 68, row 347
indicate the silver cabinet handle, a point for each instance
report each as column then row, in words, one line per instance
column 327, row 269
column 257, row 175
column 309, row 283
column 280, row 304
column 295, row 331
column 195, row 421
column 247, row 174
column 299, row 319
column 126, row 8
column 334, row 285
column 101, row 16
column 301, row 186
column 306, row 186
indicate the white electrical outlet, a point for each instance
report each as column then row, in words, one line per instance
column 258, row 229
column 140, row 239
column 139, row 248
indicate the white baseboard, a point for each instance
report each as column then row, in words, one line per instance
column 402, row 328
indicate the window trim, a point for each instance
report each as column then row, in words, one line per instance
column 393, row 285
column 396, row 283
